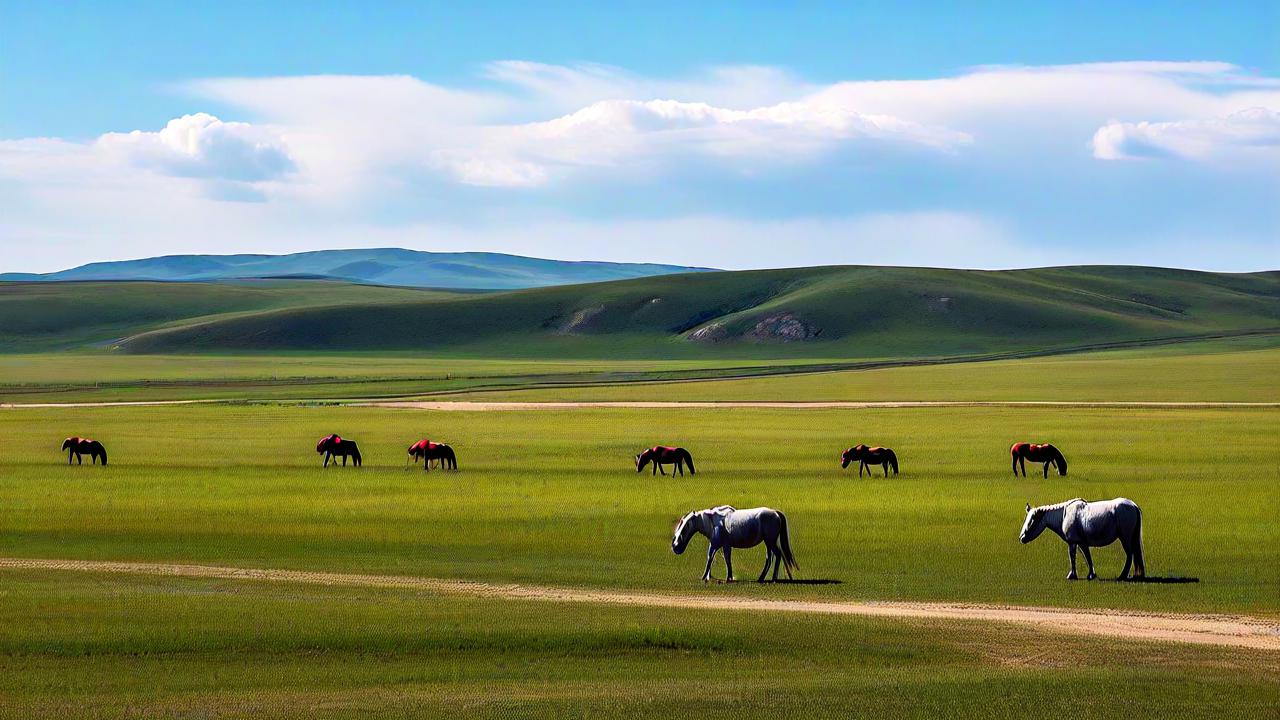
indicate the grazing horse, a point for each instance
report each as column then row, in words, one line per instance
column 79, row 447
column 1091, row 524
column 332, row 446
column 869, row 456
column 661, row 455
column 427, row 451
column 1047, row 454
column 729, row 528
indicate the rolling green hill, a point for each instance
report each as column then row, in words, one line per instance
column 38, row 316
column 826, row 311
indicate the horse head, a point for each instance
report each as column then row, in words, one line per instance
column 847, row 457
column 1033, row 525
column 70, row 442
column 642, row 459
column 325, row 442
column 684, row 532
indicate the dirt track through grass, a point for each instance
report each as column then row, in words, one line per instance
column 1218, row 630
column 480, row 406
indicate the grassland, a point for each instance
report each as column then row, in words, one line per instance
column 108, row 647
column 1238, row 369
column 1242, row 370
column 859, row 312
column 549, row 496
column 38, row 316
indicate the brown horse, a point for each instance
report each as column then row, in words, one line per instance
column 332, row 446
column 867, row 456
column 79, row 447
column 661, row 455
column 1047, row 454
column 427, row 451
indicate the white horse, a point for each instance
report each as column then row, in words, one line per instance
column 1091, row 524
column 728, row 528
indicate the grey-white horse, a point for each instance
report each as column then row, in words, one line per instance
column 728, row 528
column 1091, row 524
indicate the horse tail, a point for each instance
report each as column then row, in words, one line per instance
column 355, row 453
column 1140, row 569
column 453, row 459
column 893, row 461
column 784, row 540
column 1013, row 453
column 688, row 459
column 103, row 452
column 1060, row 460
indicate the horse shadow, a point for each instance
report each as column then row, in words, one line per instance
column 1158, row 580
column 809, row 581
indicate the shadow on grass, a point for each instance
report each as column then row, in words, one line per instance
column 1157, row 580
column 810, row 581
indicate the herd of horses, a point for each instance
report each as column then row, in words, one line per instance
column 1080, row 524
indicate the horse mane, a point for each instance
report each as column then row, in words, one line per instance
column 1058, row 506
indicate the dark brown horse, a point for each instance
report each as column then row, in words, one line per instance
column 79, row 447
column 427, row 451
column 868, row 456
column 332, row 446
column 1047, row 454
column 661, row 455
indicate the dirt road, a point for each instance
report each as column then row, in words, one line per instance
column 1219, row 630
column 478, row 406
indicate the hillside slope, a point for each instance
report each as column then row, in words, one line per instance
column 53, row 316
column 382, row 266
column 816, row 312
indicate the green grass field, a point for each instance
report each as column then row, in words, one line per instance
column 1240, row 370
column 550, row 497
column 108, row 647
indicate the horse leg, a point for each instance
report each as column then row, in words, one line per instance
column 768, row 556
column 711, row 555
column 1072, row 549
column 886, row 469
column 1046, row 471
column 728, row 563
column 1128, row 559
column 326, row 459
column 1089, row 559
column 680, row 467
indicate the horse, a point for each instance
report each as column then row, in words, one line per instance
column 728, row 528
column 869, row 456
column 79, row 447
column 1091, row 524
column 1047, row 454
column 428, row 451
column 661, row 455
column 332, row 446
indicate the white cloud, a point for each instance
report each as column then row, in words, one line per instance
column 202, row 146
column 614, row 132
column 743, row 162
column 1252, row 129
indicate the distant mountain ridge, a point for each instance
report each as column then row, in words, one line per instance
column 380, row 266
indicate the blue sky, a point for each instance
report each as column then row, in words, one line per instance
column 734, row 135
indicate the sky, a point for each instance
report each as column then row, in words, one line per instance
column 732, row 135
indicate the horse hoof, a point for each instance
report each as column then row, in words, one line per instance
column 1071, row 576
column 1091, row 576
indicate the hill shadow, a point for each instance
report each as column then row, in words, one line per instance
column 1157, row 580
